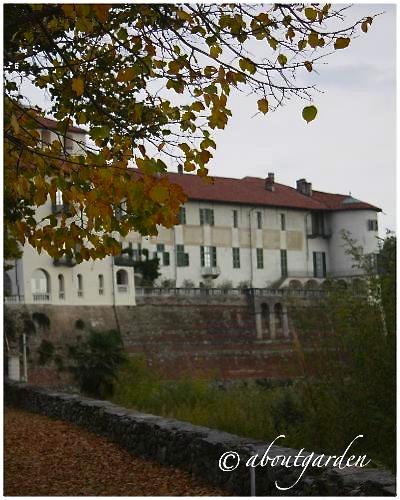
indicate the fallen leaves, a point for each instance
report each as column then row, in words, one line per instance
column 53, row 458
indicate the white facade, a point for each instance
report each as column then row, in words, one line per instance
column 217, row 242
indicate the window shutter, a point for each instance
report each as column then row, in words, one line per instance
column 212, row 217
column 214, row 256
column 201, row 216
column 202, row 256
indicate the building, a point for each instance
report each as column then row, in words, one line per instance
column 249, row 232
column 261, row 232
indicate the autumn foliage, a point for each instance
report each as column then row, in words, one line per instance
column 150, row 83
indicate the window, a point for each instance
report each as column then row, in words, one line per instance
column 208, row 256
column 372, row 225
column 46, row 138
column 319, row 263
column 7, row 285
column 206, row 216
column 317, row 222
column 160, row 247
column 259, row 220
column 236, row 258
column 61, row 287
column 182, row 215
column 260, row 258
column 69, row 143
column 40, row 285
column 235, row 218
column 101, row 284
column 80, row 285
column 182, row 258
column 284, row 270
column 165, row 258
column 122, row 281
column 283, row 222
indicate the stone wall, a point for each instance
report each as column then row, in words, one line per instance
column 204, row 336
column 197, row 449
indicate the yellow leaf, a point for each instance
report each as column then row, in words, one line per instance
column 308, row 66
column 263, row 105
column 341, row 43
column 158, row 193
column 78, row 86
column 15, row 124
column 126, row 75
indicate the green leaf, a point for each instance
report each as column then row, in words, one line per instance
column 282, row 59
column 309, row 113
column 310, row 13
column 341, row 43
column 263, row 105
column 100, row 132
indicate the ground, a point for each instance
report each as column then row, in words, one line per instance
column 53, row 458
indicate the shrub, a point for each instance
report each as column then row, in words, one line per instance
column 45, row 352
column 167, row 283
column 188, row 284
column 41, row 319
column 226, row 285
column 95, row 362
column 244, row 284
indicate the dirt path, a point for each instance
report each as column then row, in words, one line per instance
column 52, row 458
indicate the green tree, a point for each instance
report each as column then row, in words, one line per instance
column 151, row 83
column 94, row 362
column 348, row 353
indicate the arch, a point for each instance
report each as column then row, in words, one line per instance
column 79, row 279
column 278, row 317
column 8, row 289
column 122, row 281
column 327, row 284
column 40, row 285
column 295, row 284
column 101, row 284
column 61, row 287
column 311, row 285
column 265, row 318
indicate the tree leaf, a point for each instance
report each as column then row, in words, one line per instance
column 310, row 13
column 78, row 86
column 341, row 43
column 282, row 59
column 308, row 66
column 263, row 105
column 309, row 113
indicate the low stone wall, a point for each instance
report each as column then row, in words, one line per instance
column 196, row 448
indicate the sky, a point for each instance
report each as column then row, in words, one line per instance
column 349, row 148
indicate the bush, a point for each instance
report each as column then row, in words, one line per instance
column 244, row 284
column 188, row 284
column 167, row 283
column 41, row 319
column 226, row 285
column 95, row 362
column 45, row 352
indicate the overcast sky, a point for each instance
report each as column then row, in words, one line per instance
column 350, row 147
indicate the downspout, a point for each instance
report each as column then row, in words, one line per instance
column 113, row 295
column 251, row 249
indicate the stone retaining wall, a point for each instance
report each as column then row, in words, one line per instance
column 196, row 448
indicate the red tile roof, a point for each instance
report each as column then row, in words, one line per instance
column 48, row 123
column 251, row 191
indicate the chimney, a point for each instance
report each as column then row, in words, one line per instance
column 270, row 182
column 180, row 169
column 304, row 187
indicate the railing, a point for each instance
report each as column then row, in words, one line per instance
column 122, row 288
column 210, row 271
column 65, row 261
column 13, row 299
column 61, row 295
column 124, row 260
column 232, row 292
column 41, row 297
